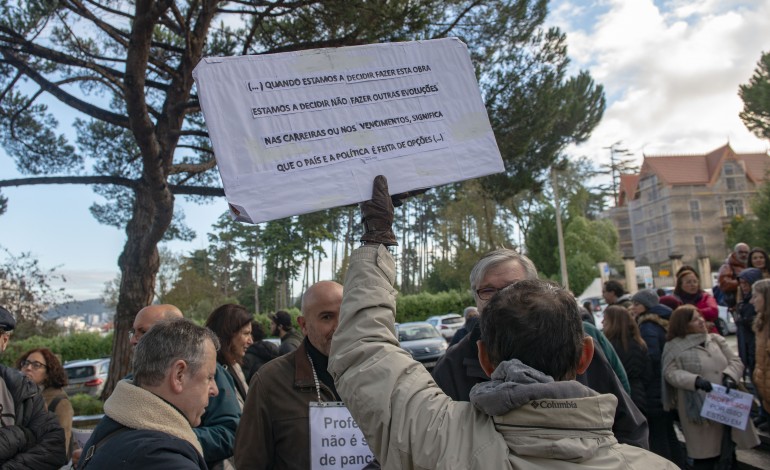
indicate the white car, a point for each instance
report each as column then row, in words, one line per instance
column 447, row 324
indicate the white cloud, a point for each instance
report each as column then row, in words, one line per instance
column 671, row 70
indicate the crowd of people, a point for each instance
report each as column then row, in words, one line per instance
column 529, row 382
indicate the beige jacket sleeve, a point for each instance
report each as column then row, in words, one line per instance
column 407, row 420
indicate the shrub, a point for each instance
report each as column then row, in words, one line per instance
column 86, row 405
column 67, row 347
column 420, row 306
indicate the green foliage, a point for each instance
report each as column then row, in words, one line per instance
column 754, row 230
column 756, row 99
column 86, row 405
column 421, row 306
column 68, row 347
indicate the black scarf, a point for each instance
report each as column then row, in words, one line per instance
column 320, row 364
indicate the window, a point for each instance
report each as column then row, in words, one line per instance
column 733, row 176
column 733, row 207
column 695, row 210
column 700, row 246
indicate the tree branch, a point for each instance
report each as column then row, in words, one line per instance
column 110, row 180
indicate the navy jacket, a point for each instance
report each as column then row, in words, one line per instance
column 138, row 449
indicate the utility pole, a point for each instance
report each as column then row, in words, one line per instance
column 559, row 232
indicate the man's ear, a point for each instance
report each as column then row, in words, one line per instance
column 301, row 321
column 178, row 374
column 586, row 354
column 486, row 364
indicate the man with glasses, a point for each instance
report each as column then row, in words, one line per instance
column 728, row 273
column 459, row 369
column 30, row 436
column 531, row 414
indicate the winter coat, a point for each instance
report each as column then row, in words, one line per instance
column 216, row 432
column 707, row 306
column 257, row 355
column 761, row 376
column 410, row 423
column 710, row 357
column 602, row 342
column 63, row 410
column 728, row 274
column 637, row 365
column 653, row 325
column 35, row 441
column 274, row 431
column 142, row 430
column 459, row 370
column 290, row 342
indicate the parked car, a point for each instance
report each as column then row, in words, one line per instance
column 447, row 324
column 422, row 341
column 86, row 376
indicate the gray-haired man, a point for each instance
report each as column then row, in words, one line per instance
column 174, row 365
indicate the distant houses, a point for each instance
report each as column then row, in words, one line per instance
column 83, row 315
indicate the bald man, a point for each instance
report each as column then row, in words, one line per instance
column 216, row 431
column 149, row 316
column 274, row 427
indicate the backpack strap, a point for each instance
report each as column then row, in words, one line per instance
column 94, row 447
column 54, row 403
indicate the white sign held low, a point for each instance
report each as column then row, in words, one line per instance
column 336, row 442
column 727, row 408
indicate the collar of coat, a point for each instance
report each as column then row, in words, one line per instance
column 137, row 408
column 653, row 318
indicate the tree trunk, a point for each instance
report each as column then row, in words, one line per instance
column 139, row 263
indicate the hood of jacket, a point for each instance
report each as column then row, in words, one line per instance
column 137, row 408
column 539, row 417
column 750, row 275
column 663, row 311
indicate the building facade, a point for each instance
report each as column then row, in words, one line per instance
column 681, row 204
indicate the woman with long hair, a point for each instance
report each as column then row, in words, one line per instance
column 760, row 298
column 42, row 367
column 232, row 324
column 689, row 292
column 621, row 329
column 693, row 359
column 758, row 259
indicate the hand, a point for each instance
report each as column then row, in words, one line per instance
column 729, row 383
column 701, row 384
column 377, row 215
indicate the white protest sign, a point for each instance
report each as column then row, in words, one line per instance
column 727, row 408
column 335, row 440
column 299, row 132
column 81, row 436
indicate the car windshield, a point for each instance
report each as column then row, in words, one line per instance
column 80, row 372
column 452, row 320
column 413, row 333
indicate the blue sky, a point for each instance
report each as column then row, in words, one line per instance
column 670, row 69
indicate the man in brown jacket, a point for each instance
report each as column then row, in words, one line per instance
column 274, row 430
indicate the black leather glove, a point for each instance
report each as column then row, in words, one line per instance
column 729, row 383
column 377, row 215
column 701, row 384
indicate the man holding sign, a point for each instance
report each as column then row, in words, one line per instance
column 532, row 414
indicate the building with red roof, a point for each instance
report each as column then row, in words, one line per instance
column 681, row 204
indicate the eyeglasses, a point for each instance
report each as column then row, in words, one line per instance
column 33, row 364
column 486, row 293
column 743, row 252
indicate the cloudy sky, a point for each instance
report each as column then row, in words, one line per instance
column 670, row 69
